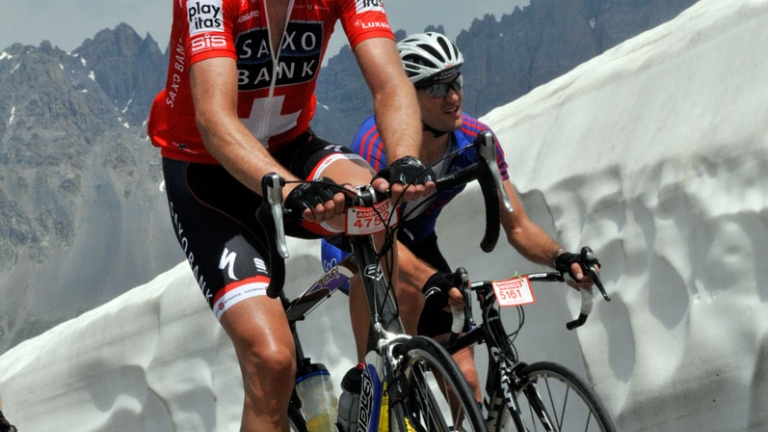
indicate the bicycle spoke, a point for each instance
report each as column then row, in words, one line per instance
column 437, row 399
column 561, row 418
column 550, row 398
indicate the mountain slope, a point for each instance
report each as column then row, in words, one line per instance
column 505, row 58
column 84, row 219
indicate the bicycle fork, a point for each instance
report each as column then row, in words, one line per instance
column 506, row 389
column 510, row 389
column 376, row 399
column 498, row 388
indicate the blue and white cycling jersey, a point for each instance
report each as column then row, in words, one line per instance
column 418, row 220
column 418, row 224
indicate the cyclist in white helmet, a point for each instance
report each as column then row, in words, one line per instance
column 432, row 63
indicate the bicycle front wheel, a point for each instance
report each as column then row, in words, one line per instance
column 433, row 393
column 552, row 398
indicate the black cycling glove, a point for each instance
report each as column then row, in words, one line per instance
column 563, row 263
column 437, row 287
column 308, row 195
column 407, row 170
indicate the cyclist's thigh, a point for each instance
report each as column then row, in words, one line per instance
column 310, row 157
column 213, row 216
column 428, row 251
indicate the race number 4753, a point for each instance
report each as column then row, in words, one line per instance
column 370, row 220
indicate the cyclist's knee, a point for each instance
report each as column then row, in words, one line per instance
column 267, row 363
column 353, row 171
column 277, row 360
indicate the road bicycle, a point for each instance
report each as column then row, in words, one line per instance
column 410, row 384
column 541, row 396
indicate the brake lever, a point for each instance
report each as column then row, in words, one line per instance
column 588, row 264
column 487, row 151
column 461, row 317
column 461, row 279
column 273, row 194
column 270, row 217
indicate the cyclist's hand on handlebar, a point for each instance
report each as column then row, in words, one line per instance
column 441, row 288
column 572, row 265
column 408, row 179
column 316, row 201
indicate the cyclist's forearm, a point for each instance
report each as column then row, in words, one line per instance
column 527, row 237
column 214, row 89
column 398, row 125
column 531, row 241
column 394, row 97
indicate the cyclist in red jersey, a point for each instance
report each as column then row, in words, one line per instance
column 237, row 105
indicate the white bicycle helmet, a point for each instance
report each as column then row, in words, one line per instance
column 429, row 57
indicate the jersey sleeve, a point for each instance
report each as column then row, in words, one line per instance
column 367, row 143
column 471, row 127
column 500, row 157
column 210, row 29
column 364, row 19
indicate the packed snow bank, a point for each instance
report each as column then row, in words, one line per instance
column 656, row 155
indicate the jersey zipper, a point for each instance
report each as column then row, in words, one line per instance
column 264, row 123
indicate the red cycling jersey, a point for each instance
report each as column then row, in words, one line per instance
column 275, row 92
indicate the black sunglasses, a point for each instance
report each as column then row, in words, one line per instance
column 439, row 90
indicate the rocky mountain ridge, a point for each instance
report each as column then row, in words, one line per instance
column 505, row 58
column 82, row 216
column 83, row 219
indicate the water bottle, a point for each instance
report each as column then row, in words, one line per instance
column 349, row 402
column 318, row 402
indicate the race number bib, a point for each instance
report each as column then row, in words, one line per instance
column 370, row 220
column 514, row 292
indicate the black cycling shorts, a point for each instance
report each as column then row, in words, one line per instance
column 213, row 216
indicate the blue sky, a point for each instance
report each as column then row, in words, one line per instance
column 68, row 23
